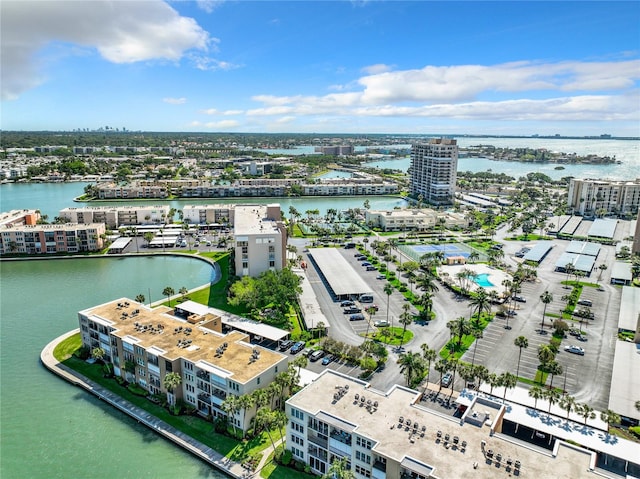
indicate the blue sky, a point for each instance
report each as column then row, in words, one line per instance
column 569, row 68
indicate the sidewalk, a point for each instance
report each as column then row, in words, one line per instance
column 196, row 448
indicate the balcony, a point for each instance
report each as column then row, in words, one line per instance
column 322, row 442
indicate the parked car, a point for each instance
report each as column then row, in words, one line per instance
column 297, row 347
column 352, row 309
column 381, row 276
column 585, row 302
column 359, row 255
column 286, row 344
column 366, row 263
column 356, row 317
column 362, row 257
column 580, row 337
column 371, row 268
column 574, row 349
column 306, row 352
column 317, row 354
column 346, row 303
column 446, row 380
column 382, row 323
column 327, row 359
column 519, row 299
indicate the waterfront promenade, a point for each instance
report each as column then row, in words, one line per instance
column 217, row 460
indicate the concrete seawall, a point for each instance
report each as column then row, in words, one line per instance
column 202, row 451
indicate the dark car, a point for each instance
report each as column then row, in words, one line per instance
column 366, row 263
column 346, row 303
column 371, row 268
column 286, row 344
column 297, row 347
column 356, row 317
column 352, row 309
column 519, row 299
column 381, row 276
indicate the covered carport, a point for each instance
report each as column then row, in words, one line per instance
column 339, row 276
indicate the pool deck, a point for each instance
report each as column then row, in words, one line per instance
column 495, row 276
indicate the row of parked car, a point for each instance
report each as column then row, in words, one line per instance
column 298, row 346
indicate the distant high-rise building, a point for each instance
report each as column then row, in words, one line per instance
column 433, row 171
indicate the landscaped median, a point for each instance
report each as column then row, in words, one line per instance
column 191, row 432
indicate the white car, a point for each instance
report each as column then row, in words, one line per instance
column 574, row 349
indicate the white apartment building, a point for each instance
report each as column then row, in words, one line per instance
column 52, row 238
column 349, row 189
column 132, row 191
column 208, row 214
column 589, row 197
column 260, row 239
column 402, row 219
column 117, row 216
column 433, row 170
column 145, row 344
column 394, row 434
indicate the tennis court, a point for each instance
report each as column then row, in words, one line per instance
column 448, row 249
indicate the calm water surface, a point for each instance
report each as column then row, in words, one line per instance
column 50, row 429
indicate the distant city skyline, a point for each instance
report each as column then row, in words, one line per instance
column 493, row 68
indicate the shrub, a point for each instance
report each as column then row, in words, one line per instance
column 83, row 353
column 286, row 457
column 635, row 430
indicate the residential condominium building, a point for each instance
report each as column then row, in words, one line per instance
column 213, row 215
column 131, row 191
column 145, row 344
column 117, row 216
column 52, row 238
column 413, row 219
column 433, row 170
column 19, row 218
column 260, row 239
column 589, row 197
column 395, row 435
column 349, row 189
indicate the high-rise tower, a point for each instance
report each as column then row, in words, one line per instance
column 433, row 171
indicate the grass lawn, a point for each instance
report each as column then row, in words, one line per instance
column 395, row 338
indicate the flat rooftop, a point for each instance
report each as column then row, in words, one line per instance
column 342, row 278
column 252, row 220
column 396, row 440
column 629, row 316
column 160, row 329
column 625, row 381
column 603, row 228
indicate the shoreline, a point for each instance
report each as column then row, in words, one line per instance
column 205, row 453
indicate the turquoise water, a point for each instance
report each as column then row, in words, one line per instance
column 50, row 429
column 482, row 280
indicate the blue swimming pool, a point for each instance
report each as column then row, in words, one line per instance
column 482, row 280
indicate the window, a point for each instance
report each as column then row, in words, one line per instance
column 363, row 443
column 297, row 427
column 361, row 456
column 297, row 414
column 297, row 440
column 362, row 471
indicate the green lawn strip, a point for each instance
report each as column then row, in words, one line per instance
column 395, row 338
column 66, row 348
column 541, row 377
column 194, row 426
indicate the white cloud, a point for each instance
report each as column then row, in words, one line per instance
column 605, row 90
column 209, row 5
column 223, row 124
column 206, row 63
column 285, row 120
column 175, row 101
column 375, row 69
column 121, row 31
column 232, row 112
column 209, row 111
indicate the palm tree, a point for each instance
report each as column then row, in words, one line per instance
column 481, row 372
column 568, row 403
column 168, row 292
column 494, row 381
column 586, row 411
column 602, row 268
column 98, row 354
column 406, row 318
column 536, row 392
column 231, row 407
column 388, row 290
column 339, row 470
column 477, row 334
column 170, row 382
column 265, row 419
column 427, row 283
column 523, row 343
column 480, row 302
column 459, row 327
column 508, row 381
column 552, row 396
column 554, row 368
column 183, row 291
column 428, row 355
column 546, row 298
column 610, row 417
column 410, row 363
column 442, row 366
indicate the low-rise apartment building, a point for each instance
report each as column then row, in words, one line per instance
column 349, row 189
column 19, row 218
column 260, row 239
column 414, row 219
column 591, row 197
column 117, row 216
column 208, row 214
column 395, row 435
column 52, row 238
column 145, row 344
column 132, row 191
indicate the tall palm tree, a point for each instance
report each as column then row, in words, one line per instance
column 477, row 334
column 610, row 417
column 545, row 354
column 339, row 469
column 410, row 363
column 568, row 403
column 406, row 318
column 171, row 381
column 428, row 355
column 388, row 290
column 481, row 372
column 231, row 407
column 554, row 368
column 546, row 298
column 480, row 302
column 168, row 292
column 536, row 392
column 494, row 381
column 552, row 396
column 442, row 367
column 459, row 327
column 586, row 411
column 427, row 282
column 523, row 343
column 508, row 381
column 265, row 419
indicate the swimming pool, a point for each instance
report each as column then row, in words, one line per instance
column 482, row 280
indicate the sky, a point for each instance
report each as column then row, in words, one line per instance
column 413, row 67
